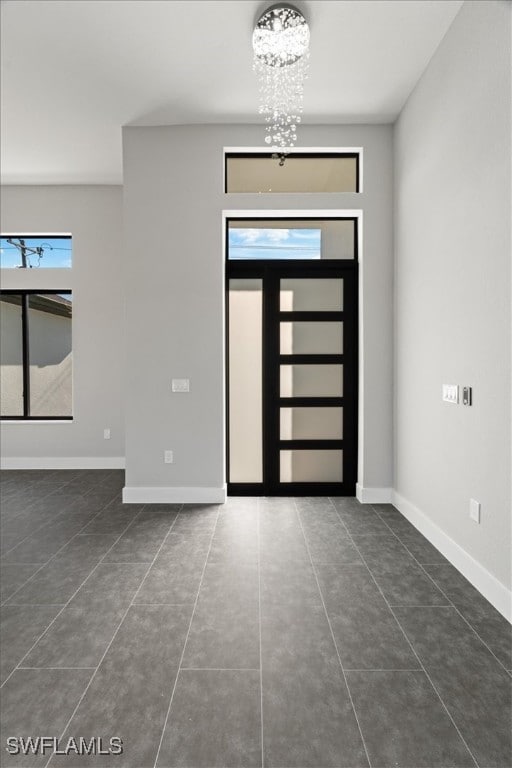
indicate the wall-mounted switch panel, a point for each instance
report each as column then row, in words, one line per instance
column 451, row 393
column 181, row 385
column 168, row 457
column 106, row 434
column 467, row 396
column 474, row 510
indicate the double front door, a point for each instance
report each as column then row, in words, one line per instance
column 292, row 378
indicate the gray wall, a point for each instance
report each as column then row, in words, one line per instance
column 173, row 182
column 93, row 216
column 452, row 294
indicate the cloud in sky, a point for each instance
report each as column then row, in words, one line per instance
column 257, row 236
column 306, row 234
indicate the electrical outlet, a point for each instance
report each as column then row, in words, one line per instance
column 474, row 510
column 106, row 434
column 168, row 457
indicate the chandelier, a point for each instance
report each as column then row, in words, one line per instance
column 280, row 42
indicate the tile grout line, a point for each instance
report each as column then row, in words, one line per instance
column 450, row 601
column 168, row 605
column 29, row 535
column 45, row 496
column 72, row 669
column 404, row 669
column 64, row 606
column 219, row 669
column 333, row 638
column 185, row 643
column 260, row 631
column 78, row 533
column 33, row 605
column 53, row 519
column 8, row 600
column 436, row 691
column 430, row 607
column 423, row 668
column 131, row 605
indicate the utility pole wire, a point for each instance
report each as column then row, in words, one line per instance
column 24, row 250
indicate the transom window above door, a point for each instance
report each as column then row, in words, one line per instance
column 292, row 239
column 310, row 171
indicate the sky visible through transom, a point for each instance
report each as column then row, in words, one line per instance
column 260, row 243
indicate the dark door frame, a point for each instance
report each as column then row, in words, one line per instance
column 270, row 272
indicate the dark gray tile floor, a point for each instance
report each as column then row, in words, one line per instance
column 285, row 633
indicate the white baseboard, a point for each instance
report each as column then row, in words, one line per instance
column 374, row 495
column 173, row 495
column 63, row 462
column 487, row 584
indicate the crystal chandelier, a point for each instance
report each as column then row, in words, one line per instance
column 280, row 42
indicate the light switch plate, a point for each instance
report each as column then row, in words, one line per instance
column 451, row 393
column 474, row 510
column 181, row 385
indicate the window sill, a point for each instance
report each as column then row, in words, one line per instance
column 36, row 421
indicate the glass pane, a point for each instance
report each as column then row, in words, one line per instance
column 11, row 356
column 260, row 243
column 311, row 295
column 35, row 252
column 308, row 239
column 309, row 466
column 245, row 381
column 311, row 423
column 263, row 173
column 311, row 380
column 51, row 356
column 316, row 338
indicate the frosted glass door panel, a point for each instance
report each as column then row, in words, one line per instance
column 245, row 381
column 307, row 338
column 311, row 381
column 309, row 466
column 311, row 423
column 11, row 357
column 311, row 295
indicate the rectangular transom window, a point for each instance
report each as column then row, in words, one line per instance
column 36, row 355
column 35, row 252
column 294, row 172
column 292, row 239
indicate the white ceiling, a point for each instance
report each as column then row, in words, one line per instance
column 75, row 71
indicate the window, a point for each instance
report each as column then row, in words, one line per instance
column 35, row 355
column 294, row 172
column 274, row 243
column 35, row 252
column 292, row 239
